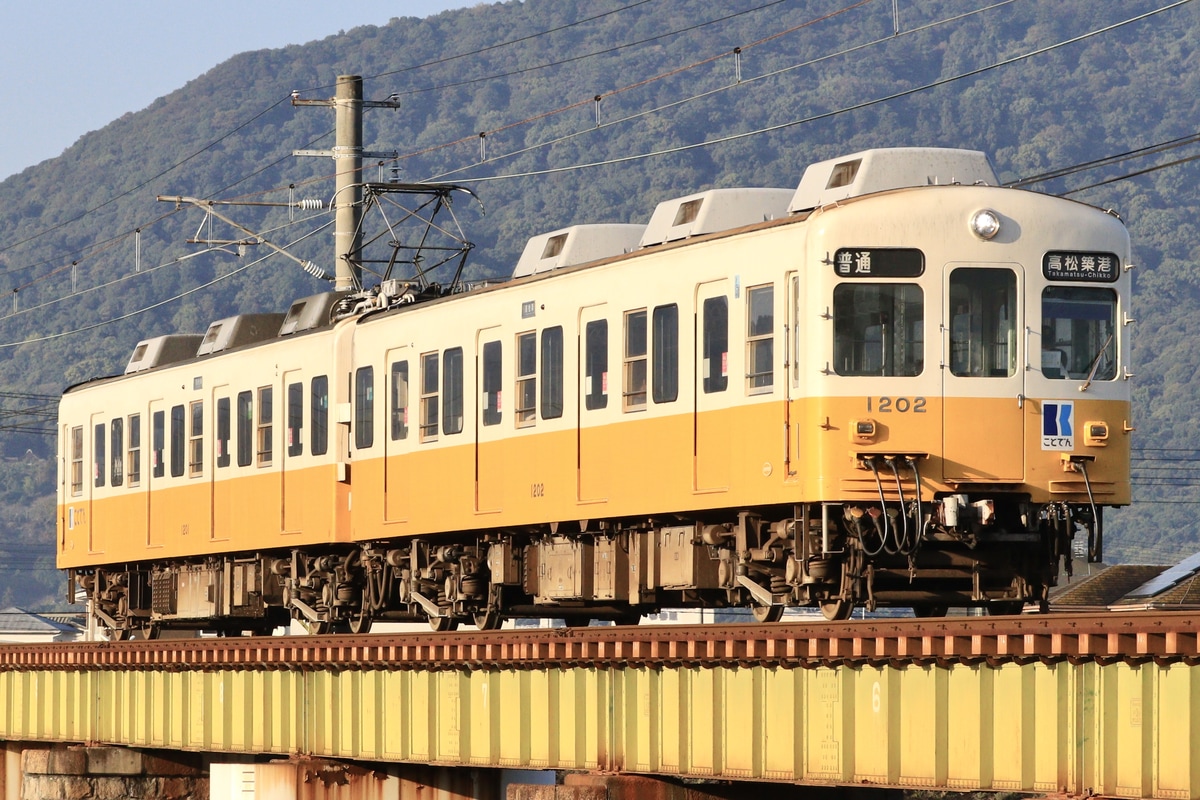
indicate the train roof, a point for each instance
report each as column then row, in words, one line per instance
column 674, row 222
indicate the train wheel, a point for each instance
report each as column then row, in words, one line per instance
column 767, row 613
column 489, row 620
column 930, row 611
column 359, row 623
column 443, row 624
column 316, row 627
column 837, row 610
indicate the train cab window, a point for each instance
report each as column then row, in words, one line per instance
column 399, row 400
column 158, row 440
column 633, row 391
column 98, row 465
column 117, row 460
column 760, row 338
column 177, row 441
column 1078, row 333
column 318, row 416
column 491, row 383
column 77, row 460
column 245, row 429
column 196, row 440
column 266, row 441
column 526, row 411
column 452, row 391
column 878, row 329
column 223, row 430
column 552, row 372
column 716, row 344
column 596, row 364
column 134, row 459
column 665, row 354
column 983, row 322
column 295, row 419
column 364, row 408
column 429, row 397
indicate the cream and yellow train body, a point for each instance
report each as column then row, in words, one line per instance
column 886, row 399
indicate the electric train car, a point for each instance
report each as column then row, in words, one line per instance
column 896, row 385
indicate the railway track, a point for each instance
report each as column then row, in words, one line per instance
column 1131, row 637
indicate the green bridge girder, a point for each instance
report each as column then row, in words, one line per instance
column 1118, row 729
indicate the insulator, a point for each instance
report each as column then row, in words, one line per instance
column 311, row 204
column 317, row 272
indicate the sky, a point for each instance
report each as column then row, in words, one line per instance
column 69, row 67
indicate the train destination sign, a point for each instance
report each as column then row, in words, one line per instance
column 1068, row 265
column 878, row 262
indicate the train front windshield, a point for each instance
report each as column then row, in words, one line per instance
column 1078, row 333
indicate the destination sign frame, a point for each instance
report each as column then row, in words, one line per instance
column 879, row 262
column 1076, row 266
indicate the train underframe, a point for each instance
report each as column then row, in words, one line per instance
column 961, row 550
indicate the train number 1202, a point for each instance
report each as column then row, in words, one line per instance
column 885, row 405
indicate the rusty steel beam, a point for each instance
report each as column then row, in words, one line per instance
column 1103, row 638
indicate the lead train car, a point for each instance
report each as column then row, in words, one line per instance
column 899, row 385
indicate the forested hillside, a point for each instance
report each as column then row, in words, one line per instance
column 693, row 94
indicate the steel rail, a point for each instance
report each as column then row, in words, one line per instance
column 1130, row 637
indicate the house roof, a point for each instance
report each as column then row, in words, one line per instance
column 18, row 620
column 1109, row 586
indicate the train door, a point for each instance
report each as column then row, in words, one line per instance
column 222, row 494
column 983, row 381
column 593, row 398
column 489, row 432
column 159, row 510
column 98, row 433
column 295, row 503
column 711, row 446
column 792, row 355
column 395, row 481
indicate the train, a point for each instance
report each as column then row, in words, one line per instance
column 899, row 384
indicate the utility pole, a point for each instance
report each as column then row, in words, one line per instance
column 347, row 157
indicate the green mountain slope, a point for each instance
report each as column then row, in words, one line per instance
column 817, row 79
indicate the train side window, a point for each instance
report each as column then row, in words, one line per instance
column 878, row 329
column 760, row 338
column 98, row 465
column 134, row 460
column 983, row 322
column 1078, row 324
column 177, row 443
column 196, row 440
column 117, row 461
column 223, row 431
column 633, row 392
column 429, row 397
column 716, row 344
column 492, row 364
column 245, row 429
column 452, row 391
column 665, row 367
column 596, row 366
column 158, row 439
column 526, row 411
column 77, row 460
column 295, row 419
column 399, row 400
column 364, row 408
column 319, row 415
column 552, row 372
column 266, row 441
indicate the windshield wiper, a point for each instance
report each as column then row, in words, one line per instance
column 1096, row 362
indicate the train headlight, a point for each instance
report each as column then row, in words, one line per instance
column 985, row 224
